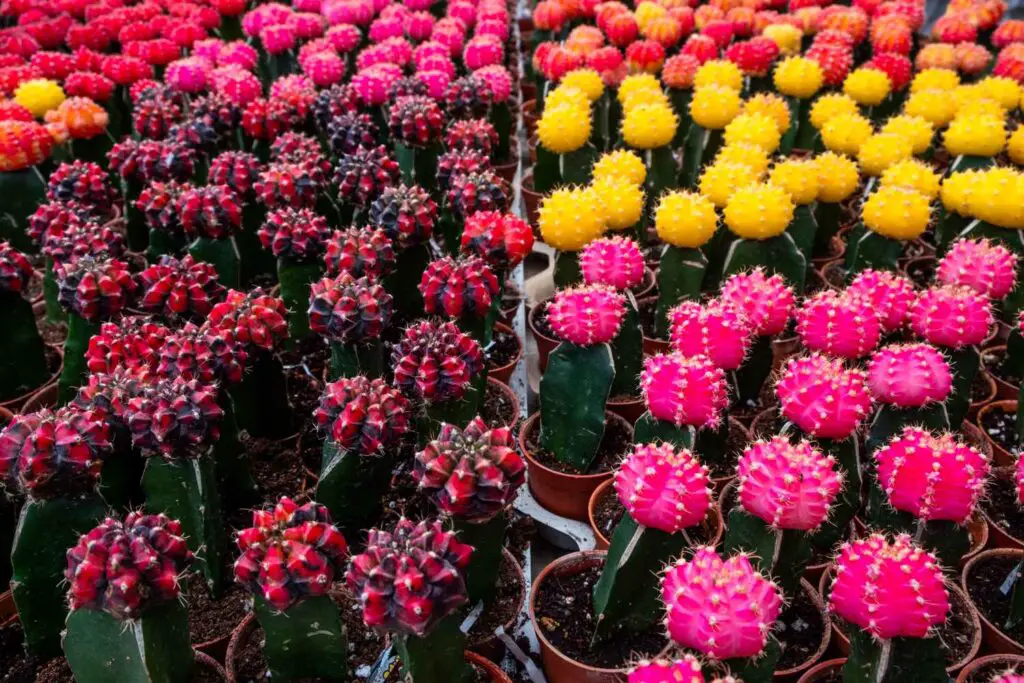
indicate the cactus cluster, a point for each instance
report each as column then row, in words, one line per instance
column 254, row 319
column 174, row 418
column 181, row 288
column 196, row 353
column 133, row 342
column 988, row 268
column 766, row 301
column 349, row 310
column 95, row 289
column 841, row 325
column 615, row 262
column 361, row 252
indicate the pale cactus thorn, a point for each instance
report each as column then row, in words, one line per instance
column 933, row 477
column 767, row 302
column 990, row 269
column 889, row 588
column 787, row 485
column 823, row 397
column 841, row 325
column 684, row 391
column 587, row 315
column 685, row 670
column 909, row 375
column 890, row 295
column 663, row 488
column 717, row 330
column 951, row 316
column 723, row 608
column 616, row 262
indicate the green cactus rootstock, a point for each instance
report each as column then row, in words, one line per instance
column 488, row 541
column 307, row 640
column 22, row 352
column 648, row 429
column 920, row 660
column 295, row 279
column 436, row 657
column 75, row 372
column 261, row 398
column 777, row 255
column 352, row 486
column 628, row 353
column 680, row 278
column 782, row 553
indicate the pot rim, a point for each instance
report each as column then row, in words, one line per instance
column 1006, row 405
column 1004, row 471
column 984, row 555
column 519, row 343
column 826, row 637
column 16, row 404
column 521, row 579
column 821, row 667
column 985, row 661
column 533, row 419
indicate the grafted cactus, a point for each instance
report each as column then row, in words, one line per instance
column 464, row 289
column 351, row 314
column 838, row 325
column 912, row 382
column 22, row 353
column 676, row 414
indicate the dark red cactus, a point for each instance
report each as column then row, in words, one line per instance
column 472, row 473
column 363, row 416
column 416, row 121
column 295, row 234
column 350, row 132
column 290, row 552
column 406, row 213
column 54, row 454
column 237, row 170
column 457, row 288
column 218, row 112
column 197, row 353
column 133, row 342
column 15, row 270
column 363, row 174
column 295, row 185
column 501, row 239
column 56, row 217
column 459, row 162
column 410, row 578
column 436, row 362
column 474, row 134
column 176, row 418
column 95, row 289
column 107, row 394
column 75, row 240
column 480, row 191
column 407, row 86
column 211, row 211
column 83, row 182
column 361, row 252
column 153, row 117
column 265, row 119
column 124, row 568
column 334, row 102
column 158, row 203
column 254, row 318
column 146, row 161
column 349, row 310
column 296, row 148
column 468, row 97
column 180, row 288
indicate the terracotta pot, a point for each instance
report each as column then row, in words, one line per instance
column 783, row 348
column 647, row 286
column 995, row 639
column 630, row 409
column 558, row 667
column 532, row 140
column 601, row 541
column 531, row 199
column 489, row 645
column 794, row 673
column 832, row 270
column 821, row 671
column 991, row 394
column 507, row 170
column 564, row 494
column 504, row 372
column 1005, row 391
column 545, row 344
column 511, row 396
column 8, row 612
column 999, row 537
column 652, row 346
column 928, row 262
column 492, row 669
column 976, row 437
column 19, row 404
column 763, row 424
column 1000, row 456
column 998, row 662
column 207, row 662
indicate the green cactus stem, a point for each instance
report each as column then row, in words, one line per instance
column 1016, row 616
column 804, row 230
column 488, row 541
column 295, row 279
column 352, row 487
column 436, row 657
column 481, row 328
column 964, row 364
column 22, row 352
column 567, row 269
column 23, row 191
column 890, row 421
column 628, row 352
column 750, row 377
column 547, row 172
column 418, row 165
column 186, row 489
column 256, row 260
column 121, row 476
column 403, row 283
column 234, row 476
column 458, row 412
column 648, row 429
column 868, row 249
column 779, row 254
column 350, row 360
column 162, row 242
column 713, row 445
column 829, row 217
column 848, row 503
column 54, row 312
column 502, row 120
column 223, row 255
column 895, row 660
column 261, row 398
column 782, row 553
column 680, row 100
column 449, row 229
column 45, row 531
column 307, row 640
column 662, row 174
column 156, row 648
column 791, row 134
column 701, row 144
column 135, row 222
column 75, row 372
column 679, row 279
column 573, row 393
column 759, row 669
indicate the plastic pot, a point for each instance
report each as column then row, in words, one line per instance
column 510, row 420
column 999, row 536
column 991, row 394
column 489, row 645
column 994, row 638
column 504, row 372
column 998, row 662
column 631, row 409
column 1005, row 391
column 1000, row 456
column 821, row 671
column 653, row 346
column 531, row 199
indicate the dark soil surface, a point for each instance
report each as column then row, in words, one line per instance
column 835, row 275
column 980, row 388
column 921, row 272
column 498, row 409
column 799, row 631
column 614, row 445
column 210, row 619
column 994, row 361
column 540, row 321
column 276, row 466
column 1001, row 427
column 503, row 609
column 984, row 584
column 565, row 613
column 1002, row 507
column 503, row 349
column 51, row 332
column 647, row 310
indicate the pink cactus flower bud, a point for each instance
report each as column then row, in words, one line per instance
column 951, row 316
column 889, row 588
column 722, row 608
column 766, row 302
column 909, row 375
column 890, row 296
column 685, row 670
column 613, row 261
column 684, row 391
column 932, row 477
column 837, row 324
column 988, row 268
column 588, row 315
column 663, row 488
column 717, row 330
column 822, row 397
column 788, row 485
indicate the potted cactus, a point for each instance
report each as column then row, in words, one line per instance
column 912, row 383
column 759, row 216
column 568, row 220
column 351, row 314
column 890, row 217
column 987, row 267
column 211, row 216
column 290, row 557
column 53, row 459
column 361, row 252
column 686, row 222
column 467, row 192
column 416, row 123
column 158, row 204
column 68, row 237
column 466, row 290
column 798, row 78
column 407, row 215
column 364, row 421
column 127, row 619
column 838, row 179
column 838, row 325
column 888, row 294
column 363, row 171
column 894, row 593
column 564, row 152
column 23, row 366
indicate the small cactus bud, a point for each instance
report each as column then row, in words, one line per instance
column 663, row 488
column 931, row 477
column 988, row 268
column 361, row 252
column 290, row 552
column 684, row 391
column 406, row 214
column 476, row 191
column 175, row 418
column 838, row 325
column 348, row 310
column 822, row 397
column 787, row 485
column 255, row 319
column 410, row 578
column 889, row 296
column 685, row 670
column 184, row 288
column 436, row 362
column 501, row 239
column 95, row 289
column 587, row 316
column 722, row 608
column 197, row 353
column 951, row 316
column 717, row 330
column 123, row 568
column 615, row 262
column 909, row 375
column 889, row 588
column 766, row 301
column 472, row 473
column 363, row 416
column 133, row 342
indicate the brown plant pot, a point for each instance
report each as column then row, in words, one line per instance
column 530, row 117
column 492, row 669
column 207, row 662
column 836, row 251
column 1003, row 662
column 763, row 423
column 489, row 645
column 511, row 396
column 545, row 344
column 531, row 199
column 564, row 494
column 1005, row 391
column 820, row 672
column 994, row 638
column 1000, row 456
column 504, row 372
column 998, row 536
column 653, row 346
column 828, row 272
column 19, row 404
column 630, row 409
column 991, row 394
column 783, row 348
column 507, row 169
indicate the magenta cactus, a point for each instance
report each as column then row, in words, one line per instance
column 889, row 588
column 362, row 252
column 766, row 302
column 909, row 375
column 284, row 184
column 787, row 485
column 723, row 608
column 615, row 262
column 685, row 670
column 1018, row 477
column 435, row 362
column 717, row 330
column 180, row 288
column 889, row 294
column 684, row 391
column 823, row 397
column 951, row 316
column 1009, row 677
column 363, row 416
column 586, row 316
column 664, row 488
column 839, row 325
column 989, row 268
column 459, row 287
column 932, row 477
column 363, row 174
